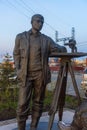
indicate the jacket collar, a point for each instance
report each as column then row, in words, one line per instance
column 31, row 33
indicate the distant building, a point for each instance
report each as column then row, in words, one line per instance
column 53, row 62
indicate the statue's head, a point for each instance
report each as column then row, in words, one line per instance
column 37, row 16
column 37, row 21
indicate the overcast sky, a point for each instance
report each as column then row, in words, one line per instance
column 60, row 15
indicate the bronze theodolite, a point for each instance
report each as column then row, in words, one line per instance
column 72, row 45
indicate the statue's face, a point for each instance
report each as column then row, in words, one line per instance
column 37, row 23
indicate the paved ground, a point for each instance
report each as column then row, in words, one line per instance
column 43, row 124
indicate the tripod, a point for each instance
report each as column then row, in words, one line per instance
column 60, row 88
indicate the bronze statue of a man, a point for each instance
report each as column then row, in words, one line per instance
column 31, row 53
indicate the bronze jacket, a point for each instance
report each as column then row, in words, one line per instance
column 21, row 54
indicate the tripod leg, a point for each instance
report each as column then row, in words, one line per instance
column 56, row 91
column 54, row 105
column 74, row 83
column 51, row 119
column 63, row 94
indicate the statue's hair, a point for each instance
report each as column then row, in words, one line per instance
column 37, row 15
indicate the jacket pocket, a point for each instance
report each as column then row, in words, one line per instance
column 22, row 53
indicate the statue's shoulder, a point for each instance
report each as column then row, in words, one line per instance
column 45, row 36
column 21, row 35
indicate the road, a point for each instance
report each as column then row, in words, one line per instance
column 70, row 88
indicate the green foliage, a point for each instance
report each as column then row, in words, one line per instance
column 8, row 85
column 48, row 97
column 48, row 100
column 7, row 105
column 71, row 102
column 7, row 72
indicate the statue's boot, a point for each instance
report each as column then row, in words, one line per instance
column 33, row 128
column 34, row 123
column 64, row 126
column 21, row 125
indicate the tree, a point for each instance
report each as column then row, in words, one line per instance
column 8, row 82
column 7, row 72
